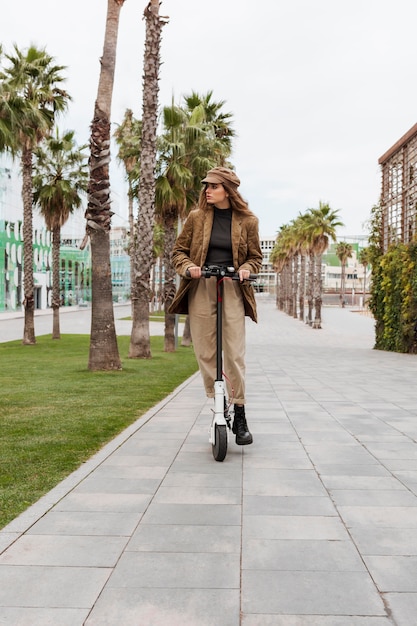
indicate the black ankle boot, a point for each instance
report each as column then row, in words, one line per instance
column 240, row 427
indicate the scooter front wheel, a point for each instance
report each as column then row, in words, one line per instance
column 219, row 447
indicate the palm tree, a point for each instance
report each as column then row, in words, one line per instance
column 197, row 137
column 104, row 352
column 30, row 98
column 140, row 346
column 279, row 259
column 217, row 124
column 174, row 178
column 302, row 247
column 322, row 224
column 209, row 136
column 128, row 136
column 344, row 252
column 364, row 259
column 59, row 181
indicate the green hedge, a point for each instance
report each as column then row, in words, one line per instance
column 394, row 298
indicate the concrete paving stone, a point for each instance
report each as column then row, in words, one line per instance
column 198, row 514
column 281, row 482
column 278, row 459
column 393, row 450
column 171, row 428
column 45, row 586
column 180, row 570
column 112, row 503
column 337, row 469
column 192, row 461
column 185, row 538
column 85, row 523
column 152, row 448
column 110, row 470
column 336, row 436
column 267, row 441
column 6, row 539
column 313, row 620
column 395, row 465
column 384, row 541
column 316, row 424
column 403, row 607
column 293, row 527
column 31, row 616
column 289, row 505
column 97, row 483
column 407, row 477
column 366, row 497
column 166, row 607
column 280, row 429
column 276, row 447
column 198, row 495
column 301, row 555
column 385, row 483
column 122, row 456
column 267, row 415
column 185, row 479
column 353, row 454
column 380, row 516
column 199, row 447
column 305, row 412
column 393, row 573
column 68, row 551
column 380, row 438
column 310, row 593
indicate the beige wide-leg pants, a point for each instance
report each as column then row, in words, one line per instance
column 202, row 302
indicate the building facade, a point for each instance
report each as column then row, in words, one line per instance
column 399, row 190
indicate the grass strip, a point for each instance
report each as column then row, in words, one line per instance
column 55, row 413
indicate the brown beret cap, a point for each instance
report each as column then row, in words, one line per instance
column 221, row 175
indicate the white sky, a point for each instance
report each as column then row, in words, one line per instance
column 319, row 89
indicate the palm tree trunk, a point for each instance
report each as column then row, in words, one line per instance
column 186, row 335
column 131, row 235
column 364, row 284
column 295, row 284
column 310, row 288
column 29, row 299
column 169, row 282
column 56, row 287
column 161, row 283
column 302, row 289
column 140, row 342
column 104, row 353
column 343, row 285
column 318, row 288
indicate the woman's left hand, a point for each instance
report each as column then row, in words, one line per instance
column 243, row 275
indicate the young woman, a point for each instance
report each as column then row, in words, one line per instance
column 220, row 231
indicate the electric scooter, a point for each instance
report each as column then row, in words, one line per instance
column 221, row 421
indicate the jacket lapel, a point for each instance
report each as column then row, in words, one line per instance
column 236, row 232
column 207, row 228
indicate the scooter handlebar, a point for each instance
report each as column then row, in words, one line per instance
column 222, row 272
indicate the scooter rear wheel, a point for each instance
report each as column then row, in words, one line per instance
column 219, row 447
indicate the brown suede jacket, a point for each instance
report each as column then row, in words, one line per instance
column 191, row 249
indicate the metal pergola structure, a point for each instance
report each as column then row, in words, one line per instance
column 399, row 190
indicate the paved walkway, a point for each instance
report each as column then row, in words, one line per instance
column 315, row 524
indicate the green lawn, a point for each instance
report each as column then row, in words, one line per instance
column 55, row 414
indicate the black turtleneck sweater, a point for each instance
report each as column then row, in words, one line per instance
column 220, row 246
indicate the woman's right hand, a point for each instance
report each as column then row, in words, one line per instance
column 194, row 271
